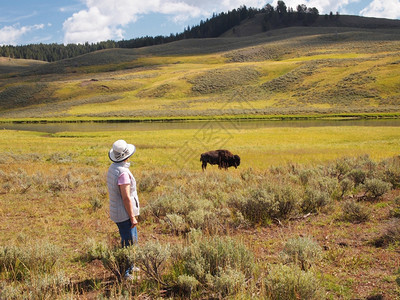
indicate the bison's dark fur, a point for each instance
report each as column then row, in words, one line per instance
column 222, row 158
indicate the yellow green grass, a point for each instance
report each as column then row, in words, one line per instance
column 259, row 148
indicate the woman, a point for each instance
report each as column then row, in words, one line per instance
column 124, row 201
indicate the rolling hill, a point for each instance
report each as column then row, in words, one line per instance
column 352, row 67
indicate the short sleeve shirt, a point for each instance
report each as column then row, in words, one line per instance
column 124, row 179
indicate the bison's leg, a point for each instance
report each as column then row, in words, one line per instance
column 203, row 165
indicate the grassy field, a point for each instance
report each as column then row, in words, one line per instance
column 288, row 71
column 54, row 208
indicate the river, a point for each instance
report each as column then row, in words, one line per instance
column 155, row 126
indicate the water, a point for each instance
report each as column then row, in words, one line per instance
column 156, row 126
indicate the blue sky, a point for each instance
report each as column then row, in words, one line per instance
column 79, row 21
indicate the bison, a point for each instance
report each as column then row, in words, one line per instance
column 222, row 158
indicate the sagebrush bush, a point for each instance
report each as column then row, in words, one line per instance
column 187, row 284
column 48, row 286
column 390, row 234
column 96, row 202
column 95, row 250
column 176, row 223
column 261, row 205
column 302, row 251
column 342, row 167
column 117, row 260
column 354, row 212
column 257, row 207
column 227, row 282
column 391, row 171
column 21, row 263
column 291, row 283
column 177, row 201
column 346, row 185
column 306, row 175
column 358, row 176
column 395, row 211
column 57, row 185
column 218, row 197
column 375, row 188
column 196, row 218
column 152, row 259
column 222, row 265
column 148, row 181
column 248, row 175
column 286, row 197
column 313, row 200
column 61, row 158
column 325, row 184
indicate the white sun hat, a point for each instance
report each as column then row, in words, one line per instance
column 121, row 150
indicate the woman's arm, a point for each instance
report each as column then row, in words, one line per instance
column 126, row 198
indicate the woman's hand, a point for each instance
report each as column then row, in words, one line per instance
column 133, row 221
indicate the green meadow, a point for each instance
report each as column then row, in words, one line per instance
column 259, row 148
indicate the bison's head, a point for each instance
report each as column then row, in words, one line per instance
column 237, row 160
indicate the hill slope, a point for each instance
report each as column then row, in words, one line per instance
column 286, row 71
column 256, row 25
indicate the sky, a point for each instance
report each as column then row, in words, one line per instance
column 25, row 22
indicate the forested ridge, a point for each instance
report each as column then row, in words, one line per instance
column 274, row 17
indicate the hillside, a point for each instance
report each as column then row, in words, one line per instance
column 255, row 25
column 296, row 70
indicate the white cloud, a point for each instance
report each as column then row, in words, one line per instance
column 382, row 9
column 106, row 19
column 10, row 35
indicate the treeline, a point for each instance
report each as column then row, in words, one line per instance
column 213, row 27
column 287, row 16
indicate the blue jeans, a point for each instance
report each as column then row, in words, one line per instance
column 128, row 235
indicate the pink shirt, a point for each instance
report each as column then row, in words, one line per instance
column 124, row 179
